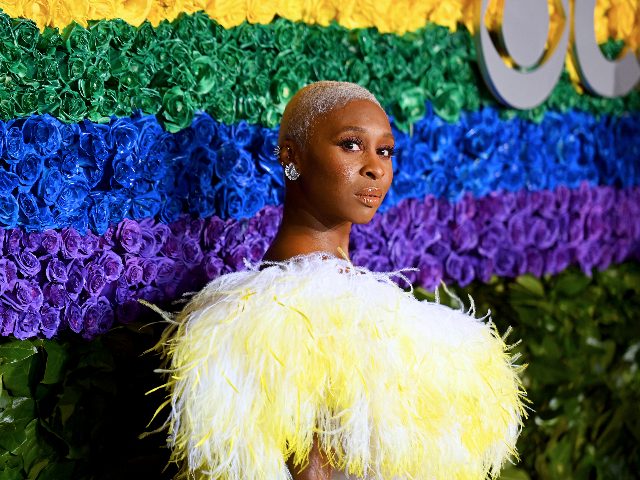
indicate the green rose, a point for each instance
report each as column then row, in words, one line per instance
column 287, row 35
column 222, row 106
column 123, row 35
column 271, row 116
column 76, row 38
column 76, row 67
column 148, row 100
column 101, row 34
column 204, row 74
column 249, row 107
column 72, row 106
column 177, row 109
column 92, row 85
column 26, row 33
column 107, row 103
column 103, row 67
column 47, row 69
column 49, row 40
column 26, row 102
column 358, row 72
column 283, row 88
column 49, row 100
column 448, row 102
column 409, row 106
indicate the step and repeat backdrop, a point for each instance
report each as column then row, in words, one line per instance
column 136, row 162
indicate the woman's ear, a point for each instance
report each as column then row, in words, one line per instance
column 289, row 154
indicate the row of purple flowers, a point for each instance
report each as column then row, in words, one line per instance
column 57, row 280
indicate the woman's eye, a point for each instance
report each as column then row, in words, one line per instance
column 351, row 145
column 386, row 152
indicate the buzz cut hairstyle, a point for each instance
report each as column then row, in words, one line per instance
column 315, row 100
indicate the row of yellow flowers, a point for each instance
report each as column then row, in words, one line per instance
column 619, row 19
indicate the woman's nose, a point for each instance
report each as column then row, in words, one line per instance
column 375, row 168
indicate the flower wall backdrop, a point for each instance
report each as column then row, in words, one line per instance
column 136, row 162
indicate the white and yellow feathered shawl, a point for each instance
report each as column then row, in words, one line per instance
column 261, row 360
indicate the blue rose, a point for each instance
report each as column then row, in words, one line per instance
column 436, row 182
column 28, row 170
column 481, row 139
column 8, row 211
column 122, row 135
column 266, row 158
column 69, row 133
column 93, row 141
column 119, row 207
column 8, row 182
column 243, row 134
column 236, row 165
column 125, row 170
column 147, row 205
column 28, row 205
column 14, row 143
column 50, row 185
column 73, row 193
column 42, row 132
column 3, row 132
column 204, row 128
column 171, row 210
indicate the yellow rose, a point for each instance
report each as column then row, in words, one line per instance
column 293, row 10
column 259, row 11
column 228, row 13
column 321, row 12
column 447, row 14
column 622, row 19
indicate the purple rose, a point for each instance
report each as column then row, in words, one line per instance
column 50, row 320
column 149, row 271
column 557, row 259
column 270, row 218
column 8, row 274
column 148, row 245
column 465, row 236
column 160, row 233
column 491, row 238
column 14, row 241
column 27, row 325
column 166, row 269
column 484, row 269
column 506, row 262
column 465, row 208
column 607, row 253
column 534, row 261
column 172, row 247
column 90, row 243
column 128, row 311
column 431, row 271
column 378, row 263
column 595, row 225
column 588, row 255
column 112, row 265
column 213, row 234
column 460, row 268
column 55, row 294
column 191, row 252
column 517, row 226
column 8, row 319
column 129, row 235
column 213, row 265
column 28, row 264
column 234, row 258
column 133, row 271
column 73, row 317
column 562, row 198
column 51, row 242
column 576, row 229
column 32, row 241
column 440, row 250
column 76, row 274
column 24, row 294
column 539, row 234
column 98, row 316
column 56, row 271
column 123, row 292
column 621, row 250
column 71, row 241
column 95, row 279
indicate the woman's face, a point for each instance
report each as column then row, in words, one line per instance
column 346, row 167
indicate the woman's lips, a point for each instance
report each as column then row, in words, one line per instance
column 370, row 196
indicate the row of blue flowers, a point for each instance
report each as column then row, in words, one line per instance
column 91, row 176
column 56, row 280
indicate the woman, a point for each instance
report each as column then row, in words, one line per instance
column 306, row 363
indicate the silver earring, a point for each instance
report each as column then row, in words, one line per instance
column 276, row 152
column 291, row 172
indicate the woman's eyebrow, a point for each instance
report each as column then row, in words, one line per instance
column 354, row 128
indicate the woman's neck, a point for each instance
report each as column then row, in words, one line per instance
column 300, row 233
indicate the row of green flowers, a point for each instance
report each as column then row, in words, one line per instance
column 247, row 72
column 70, row 408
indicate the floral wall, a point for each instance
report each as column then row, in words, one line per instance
column 136, row 162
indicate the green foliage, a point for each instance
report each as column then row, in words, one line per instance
column 74, row 409
column 581, row 341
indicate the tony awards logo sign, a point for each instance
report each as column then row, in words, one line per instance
column 534, row 71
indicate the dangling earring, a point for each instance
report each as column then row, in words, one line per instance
column 291, row 172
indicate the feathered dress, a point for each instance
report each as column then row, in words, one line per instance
column 261, row 360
